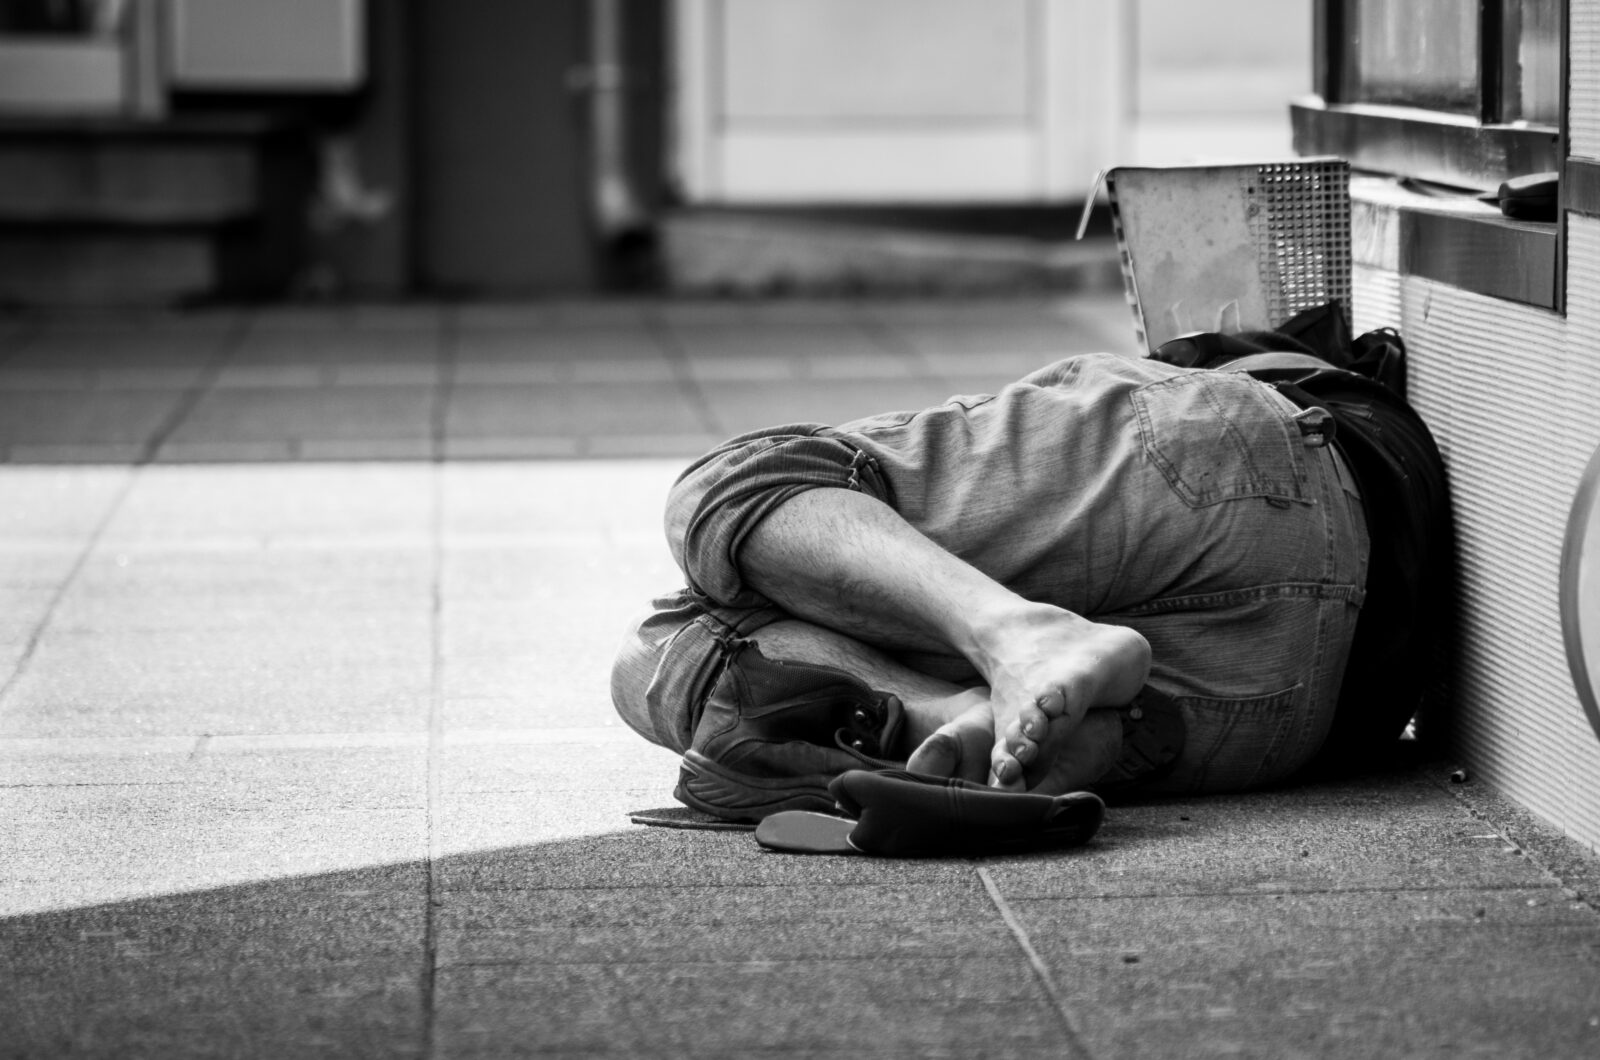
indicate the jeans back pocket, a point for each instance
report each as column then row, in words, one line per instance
column 1220, row 436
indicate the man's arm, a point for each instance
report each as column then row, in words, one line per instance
column 849, row 562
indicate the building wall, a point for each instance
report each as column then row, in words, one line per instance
column 1513, row 395
column 1214, row 79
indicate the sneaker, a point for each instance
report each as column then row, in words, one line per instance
column 772, row 735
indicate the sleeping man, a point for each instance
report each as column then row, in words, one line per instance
column 1114, row 574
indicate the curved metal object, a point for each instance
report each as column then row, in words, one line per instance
column 1580, row 591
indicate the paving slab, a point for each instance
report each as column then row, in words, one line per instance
column 54, row 506
column 1326, row 974
column 961, row 1007
column 576, row 409
column 351, row 316
column 75, row 417
column 633, row 855
column 621, row 340
column 269, row 565
column 123, row 699
column 679, row 925
column 1395, row 834
column 135, row 822
column 738, row 407
column 839, row 334
column 177, row 349
column 170, row 681
column 277, row 503
column 308, row 966
column 277, row 413
column 187, row 847
column 341, row 348
column 524, row 504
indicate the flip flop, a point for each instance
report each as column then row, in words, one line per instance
column 894, row 813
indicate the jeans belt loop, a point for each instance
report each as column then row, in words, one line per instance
column 1317, row 426
column 857, row 462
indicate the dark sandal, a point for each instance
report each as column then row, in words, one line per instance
column 908, row 815
column 1153, row 735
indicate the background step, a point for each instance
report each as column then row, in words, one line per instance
column 894, row 252
column 121, row 212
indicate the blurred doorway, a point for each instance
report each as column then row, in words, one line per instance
column 973, row 101
column 501, row 154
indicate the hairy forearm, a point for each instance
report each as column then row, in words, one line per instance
column 850, row 562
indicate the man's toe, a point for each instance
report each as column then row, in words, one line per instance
column 939, row 756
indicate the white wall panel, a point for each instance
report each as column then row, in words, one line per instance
column 289, row 45
column 1583, row 112
column 1513, row 395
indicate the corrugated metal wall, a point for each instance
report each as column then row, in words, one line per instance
column 1583, row 114
column 1513, row 394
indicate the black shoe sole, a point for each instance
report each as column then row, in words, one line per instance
column 709, row 788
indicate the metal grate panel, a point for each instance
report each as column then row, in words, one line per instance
column 1226, row 248
column 1301, row 231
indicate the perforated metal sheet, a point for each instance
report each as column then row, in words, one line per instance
column 1227, row 248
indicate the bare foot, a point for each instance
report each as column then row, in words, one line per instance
column 1047, row 668
column 961, row 746
column 1075, row 760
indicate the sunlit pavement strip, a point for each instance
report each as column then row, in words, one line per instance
column 161, row 619
column 195, row 746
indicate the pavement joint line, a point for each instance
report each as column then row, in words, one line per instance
column 77, row 745
column 102, row 784
column 244, row 743
column 90, row 544
column 1569, row 865
column 661, row 331
column 1288, row 889
column 481, row 737
column 190, row 396
column 746, row 962
column 231, row 339
column 720, row 885
column 448, row 343
column 266, row 543
column 1041, row 970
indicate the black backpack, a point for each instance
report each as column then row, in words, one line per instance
column 1405, row 493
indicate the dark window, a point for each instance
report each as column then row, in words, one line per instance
column 1464, row 92
column 1422, row 53
column 1531, row 51
column 1496, row 60
column 1456, row 97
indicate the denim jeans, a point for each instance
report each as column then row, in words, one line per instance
column 1201, row 508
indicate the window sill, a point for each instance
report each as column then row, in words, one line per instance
column 1580, row 184
column 1457, row 241
column 1425, row 145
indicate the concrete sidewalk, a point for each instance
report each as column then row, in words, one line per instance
column 306, row 746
